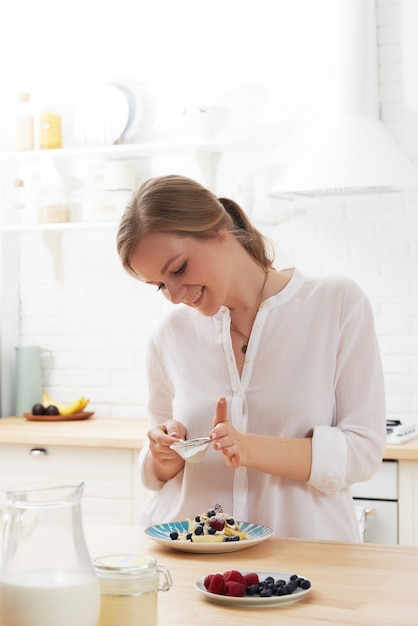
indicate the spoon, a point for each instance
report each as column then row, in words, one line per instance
column 191, row 450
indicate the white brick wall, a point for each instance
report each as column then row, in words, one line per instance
column 97, row 320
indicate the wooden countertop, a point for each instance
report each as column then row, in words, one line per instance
column 98, row 432
column 353, row 584
column 404, row 452
column 94, row 432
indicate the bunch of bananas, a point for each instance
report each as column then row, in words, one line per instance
column 65, row 409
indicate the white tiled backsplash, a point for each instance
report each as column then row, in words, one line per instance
column 97, row 320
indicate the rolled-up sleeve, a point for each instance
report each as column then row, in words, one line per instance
column 351, row 449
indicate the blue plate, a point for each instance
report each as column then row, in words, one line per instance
column 160, row 533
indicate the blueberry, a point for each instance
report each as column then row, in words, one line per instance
column 281, row 591
column 211, row 530
column 266, row 593
column 174, row 535
column 305, row 584
column 189, row 536
column 198, row 530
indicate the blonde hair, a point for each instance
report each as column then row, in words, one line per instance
column 179, row 205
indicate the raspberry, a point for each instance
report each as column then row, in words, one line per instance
column 217, row 523
column 207, row 580
column 251, row 579
column 233, row 588
column 234, row 576
column 216, row 584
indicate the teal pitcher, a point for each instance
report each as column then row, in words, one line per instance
column 29, row 377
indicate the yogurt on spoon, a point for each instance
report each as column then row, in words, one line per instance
column 191, row 450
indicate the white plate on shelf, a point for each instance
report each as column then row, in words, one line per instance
column 255, row 600
column 160, row 533
column 101, row 115
column 142, row 107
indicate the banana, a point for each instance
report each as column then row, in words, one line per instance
column 65, row 409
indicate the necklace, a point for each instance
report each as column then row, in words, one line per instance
column 246, row 339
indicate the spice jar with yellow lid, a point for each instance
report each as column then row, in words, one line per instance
column 129, row 585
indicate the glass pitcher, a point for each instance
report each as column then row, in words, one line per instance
column 47, row 577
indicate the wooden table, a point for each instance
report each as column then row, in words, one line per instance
column 353, row 584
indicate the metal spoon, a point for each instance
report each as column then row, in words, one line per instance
column 191, row 450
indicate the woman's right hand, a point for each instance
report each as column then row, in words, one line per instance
column 166, row 463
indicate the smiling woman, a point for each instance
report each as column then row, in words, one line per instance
column 284, row 434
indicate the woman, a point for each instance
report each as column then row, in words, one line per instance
column 281, row 371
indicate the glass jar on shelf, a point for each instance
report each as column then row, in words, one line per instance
column 54, row 206
column 50, row 128
column 24, row 135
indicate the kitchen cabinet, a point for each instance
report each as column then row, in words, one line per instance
column 408, row 503
column 101, row 453
column 110, row 489
column 407, row 458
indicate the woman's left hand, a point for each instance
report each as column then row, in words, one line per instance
column 226, row 438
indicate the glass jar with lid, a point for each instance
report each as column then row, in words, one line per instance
column 129, row 585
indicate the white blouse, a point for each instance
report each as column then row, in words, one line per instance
column 312, row 368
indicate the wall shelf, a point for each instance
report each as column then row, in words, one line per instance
column 57, row 227
column 128, row 151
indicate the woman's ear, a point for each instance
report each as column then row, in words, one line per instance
column 222, row 234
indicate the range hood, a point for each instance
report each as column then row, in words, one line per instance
column 347, row 151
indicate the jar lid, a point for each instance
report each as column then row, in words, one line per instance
column 129, row 564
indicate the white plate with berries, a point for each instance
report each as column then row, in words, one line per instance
column 182, row 537
column 253, row 588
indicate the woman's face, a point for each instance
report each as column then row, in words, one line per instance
column 189, row 270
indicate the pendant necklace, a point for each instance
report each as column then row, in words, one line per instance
column 246, row 339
